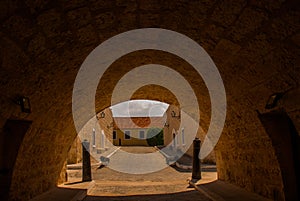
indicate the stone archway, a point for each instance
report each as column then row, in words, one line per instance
column 254, row 44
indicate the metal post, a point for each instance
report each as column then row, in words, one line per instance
column 86, row 162
column 196, row 174
column 66, row 176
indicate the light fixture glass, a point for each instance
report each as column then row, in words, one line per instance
column 25, row 104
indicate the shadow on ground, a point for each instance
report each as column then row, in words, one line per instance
column 184, row 196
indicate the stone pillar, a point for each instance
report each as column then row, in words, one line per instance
column 86, row 162
column 196, row 174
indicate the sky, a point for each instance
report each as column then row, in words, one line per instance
column 139, row 108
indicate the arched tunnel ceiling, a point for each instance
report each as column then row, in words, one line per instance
column 155, row 93
column 254, row 44
column 128, row 62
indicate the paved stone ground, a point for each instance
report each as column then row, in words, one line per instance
column 137, row 160
column 160, row 185
column 168, row 184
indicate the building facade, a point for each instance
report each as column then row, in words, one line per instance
column 132, row 131
column 98, row 132
column 179, row 134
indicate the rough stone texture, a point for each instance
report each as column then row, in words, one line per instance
column 255, row 45
column 105, row 126
column 75, row 152
column 173, row 124
column 63, row 177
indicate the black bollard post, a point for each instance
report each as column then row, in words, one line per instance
column 196, row 174
column 86, row 162
column 66, row 176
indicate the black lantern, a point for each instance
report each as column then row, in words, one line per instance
column 102, row 115
column 25, row 104
column 173, row 114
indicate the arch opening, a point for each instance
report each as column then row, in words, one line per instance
column 255, row 45
column 139, row 119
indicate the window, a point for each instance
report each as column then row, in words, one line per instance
column 94, row 137
column 177, row 139
column 102, row 143
column 114, row 135
column 182, row 136
column 127, row 135
column 142, row 135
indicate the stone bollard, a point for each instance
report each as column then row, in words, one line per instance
column 196, row 174
column 86, row 162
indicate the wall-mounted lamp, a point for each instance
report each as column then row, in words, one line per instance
column 273, row 100
column 25, row 104
column 100, row 115
column 173, row 114
column 166, row 124
column 111, row 125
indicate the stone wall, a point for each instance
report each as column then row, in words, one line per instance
column 106, row 125
column 173, row 125
column 101, row 144
column 75, row 152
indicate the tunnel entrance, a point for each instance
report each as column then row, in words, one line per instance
column 254, row 45
column 143, row 129
column 286, row 142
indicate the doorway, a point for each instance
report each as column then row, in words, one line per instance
column 11, row 138
column 286, row 143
